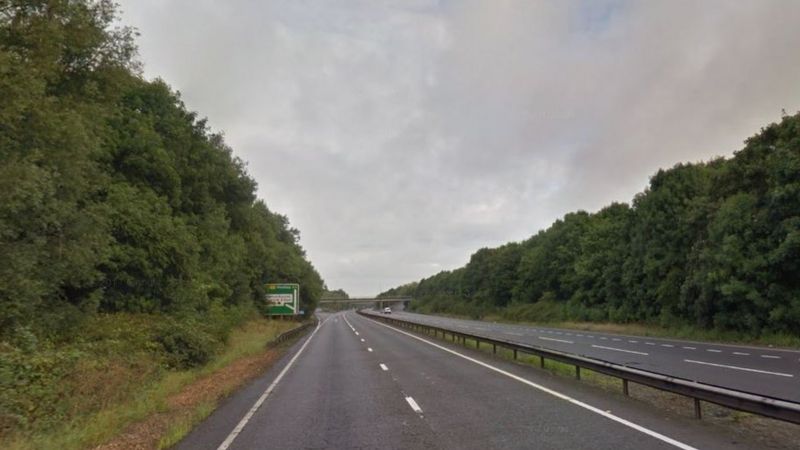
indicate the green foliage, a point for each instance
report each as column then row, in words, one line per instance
column 712, row 245
column 114, row 199
column 185, row 344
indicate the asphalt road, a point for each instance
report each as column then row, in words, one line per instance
column 759, row 370
column 357, row 383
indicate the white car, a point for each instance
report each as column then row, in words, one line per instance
column 387, row 310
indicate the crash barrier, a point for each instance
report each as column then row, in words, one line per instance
column 742, row 401
column 286, row 335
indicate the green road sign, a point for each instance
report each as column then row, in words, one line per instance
column 283, row 299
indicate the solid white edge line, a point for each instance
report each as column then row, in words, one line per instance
column 620, row 350
column 240, row 426
column 746, row 369
column 557, row 340
column 344, row 316
column 557, row 394
column 383, row 366
column 414, row 405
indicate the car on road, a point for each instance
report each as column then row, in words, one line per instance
column 387, row 310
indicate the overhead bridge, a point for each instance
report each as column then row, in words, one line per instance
column 364, row 301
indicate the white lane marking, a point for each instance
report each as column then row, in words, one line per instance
column 362, row 340
column 741, row 353
column 621, row 350
column 579, row 335
column 771, row 356
column 383, row 366
column 590, row 336
column 616, row 339
column 603, row 338
column 556, row 394
column 414, row 405
column 713, row 350
column 240, row 426
column 557, row 340
column 348, row 323
column 650, row 343
column 634, row 342
column 667, row 345
column 690, row 348
column 369, row 349
column 356, row 332
column 740, row 368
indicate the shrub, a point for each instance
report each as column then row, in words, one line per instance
column 185, row 344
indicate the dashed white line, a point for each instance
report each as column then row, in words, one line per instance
column 369, row 349
column 650, row 343
column 621, row 350
column 383, row 366
column 741, row 353
column 556, row 394
column 667, row 345
column 362, row 340
column 771, row 356
column 690, row 348
column 356, row 332
column 740, row 368
column 634, row 342
column 603, row 338
column 579, row 335
column 590, row 336
column 713, row 350
column 414, row 405
column 616, row 339
column 557, row 340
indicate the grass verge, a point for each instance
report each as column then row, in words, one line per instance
column 160, row 411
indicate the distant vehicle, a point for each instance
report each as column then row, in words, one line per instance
column 387, row 310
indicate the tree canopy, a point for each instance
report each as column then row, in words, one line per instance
column 713, row 244
column 113, row 196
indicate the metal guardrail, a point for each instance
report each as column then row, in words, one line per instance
column 286, row 335
column 742, row 401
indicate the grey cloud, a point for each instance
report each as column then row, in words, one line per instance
column 401, row 136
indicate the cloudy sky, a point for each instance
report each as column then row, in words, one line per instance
column 401, row 136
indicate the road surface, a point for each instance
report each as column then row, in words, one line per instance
column 759, row 370
column 357, row 383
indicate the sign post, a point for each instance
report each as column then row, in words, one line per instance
column 283, row 299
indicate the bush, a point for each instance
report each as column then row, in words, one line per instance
column 541, row 311
column 185, row 344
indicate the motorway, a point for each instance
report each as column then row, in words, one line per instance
column 357, row 383
column 763, row 371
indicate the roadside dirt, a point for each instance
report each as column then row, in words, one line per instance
column 145, row 435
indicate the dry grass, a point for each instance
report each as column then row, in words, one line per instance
column 129, row 403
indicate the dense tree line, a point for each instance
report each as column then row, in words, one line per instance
column 713, row 245
column 113, row 196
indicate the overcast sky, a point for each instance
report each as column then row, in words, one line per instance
column 401, row 136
